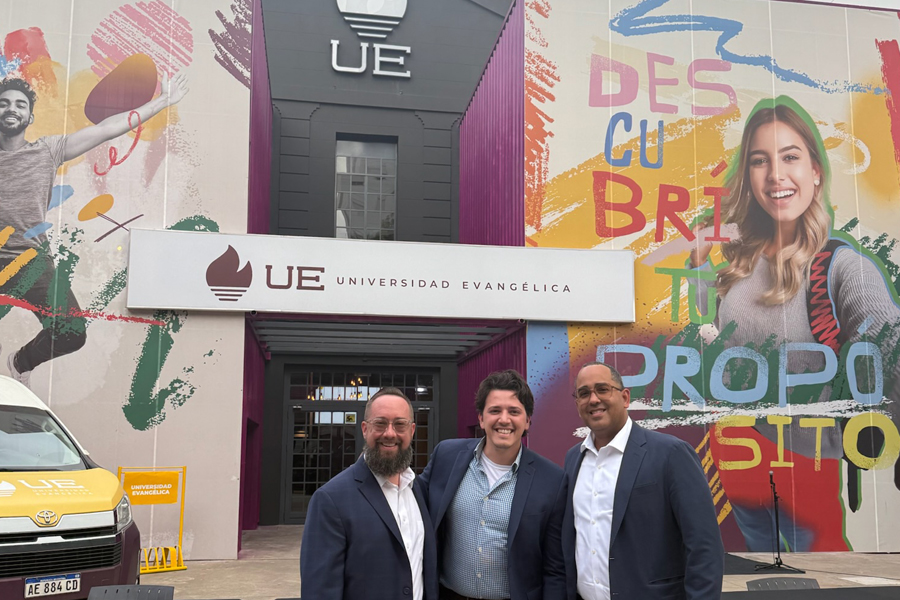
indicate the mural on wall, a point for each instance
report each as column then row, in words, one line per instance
column 748, row 154
column 106, row 124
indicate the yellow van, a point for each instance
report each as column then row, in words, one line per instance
column 65, row 523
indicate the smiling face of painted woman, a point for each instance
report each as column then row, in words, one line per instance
column 783, row 177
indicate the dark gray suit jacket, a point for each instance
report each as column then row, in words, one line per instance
column 664, row 540
column 352, row 548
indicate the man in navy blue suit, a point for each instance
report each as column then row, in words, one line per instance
column 497, row 506
column 367, row 532
column 639, row 521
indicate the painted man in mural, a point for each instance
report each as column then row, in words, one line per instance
column 640, row 521
column 27, row 174
column 790, row 278
column 518, row 492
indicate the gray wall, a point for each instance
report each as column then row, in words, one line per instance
column 450, row 43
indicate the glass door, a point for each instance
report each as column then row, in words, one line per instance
column 323, row 412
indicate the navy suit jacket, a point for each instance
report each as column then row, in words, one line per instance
column 352, row 548
column 534, row 553
column 664, row 539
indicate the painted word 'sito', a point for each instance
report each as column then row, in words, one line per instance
column 383, row 63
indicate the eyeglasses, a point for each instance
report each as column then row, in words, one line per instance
column 381, row 425
column 602, row 390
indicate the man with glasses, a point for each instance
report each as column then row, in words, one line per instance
column 497, row 506
column 367, row 532
column 640, row 521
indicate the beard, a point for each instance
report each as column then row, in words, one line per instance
column 385, row 465
column 13, row 130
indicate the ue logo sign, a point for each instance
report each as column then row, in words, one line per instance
column 373, row 19
column 225, row 279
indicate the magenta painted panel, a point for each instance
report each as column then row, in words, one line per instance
column 257, row 222
column 260, row 129
column 492, row 145
column 508, row 353
column 251, row 442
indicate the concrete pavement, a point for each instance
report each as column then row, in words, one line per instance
column 269, row 568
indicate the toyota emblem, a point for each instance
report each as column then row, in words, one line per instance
column 46, row 518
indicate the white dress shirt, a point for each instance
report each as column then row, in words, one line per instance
column 409, row 519
column 592, row 500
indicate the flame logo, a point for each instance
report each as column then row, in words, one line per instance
column 372, row 18
column 225, row 280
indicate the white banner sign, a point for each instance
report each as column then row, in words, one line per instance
column 212, row 271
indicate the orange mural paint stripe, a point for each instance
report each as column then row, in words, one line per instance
column 4, row 235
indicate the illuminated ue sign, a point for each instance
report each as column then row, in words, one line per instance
column 373, row 20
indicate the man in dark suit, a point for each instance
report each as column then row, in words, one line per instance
column 367, row 532
column 497, row 506
column 639, row 520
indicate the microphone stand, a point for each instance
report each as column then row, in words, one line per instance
column 778, row 564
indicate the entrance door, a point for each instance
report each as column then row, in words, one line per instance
column 323, row 412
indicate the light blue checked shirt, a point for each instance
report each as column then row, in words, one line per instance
column 474, row 554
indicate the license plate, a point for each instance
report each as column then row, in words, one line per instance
column 50, row 586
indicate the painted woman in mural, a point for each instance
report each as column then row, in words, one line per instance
column 791, row 278
column 27, row 174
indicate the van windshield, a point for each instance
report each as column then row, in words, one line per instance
column 31, row 440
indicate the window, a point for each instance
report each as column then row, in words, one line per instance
column 365, row 190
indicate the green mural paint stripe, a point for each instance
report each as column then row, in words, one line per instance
column 109, row 291
column 144, row 408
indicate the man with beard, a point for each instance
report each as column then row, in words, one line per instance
column 367, row 532
column 496, row 505
column 27, row 174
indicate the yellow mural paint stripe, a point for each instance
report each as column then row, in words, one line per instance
column 718, row 496
column 16, row 265
column 4, row 235
column 707, row 462
column 726, row 510
column 703, row 443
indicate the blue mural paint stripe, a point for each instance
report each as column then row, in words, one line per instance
column 634, row 21
column 37, row 230
column 59, row 194
column 550, row 359
column 8, row 66
column 865, row 324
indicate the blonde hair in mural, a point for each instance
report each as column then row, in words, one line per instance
column 790, row 269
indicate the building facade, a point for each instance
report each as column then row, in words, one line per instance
column 538, row 124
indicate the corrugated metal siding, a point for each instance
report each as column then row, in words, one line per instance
column 251, row 434
column 492, row 145
column 508, row 353
column 257, row 222
column 260, row 128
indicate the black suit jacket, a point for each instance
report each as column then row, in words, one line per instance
column 534, row 552
column 664, row 539
column 352, row 548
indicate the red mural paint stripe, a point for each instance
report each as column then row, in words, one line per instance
column 719, row 168
column 540, row 78
column 530, row 241
column 150, row 28
column 890, row 73
column 233, row 44
column 27, row 45
column 87, row 314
